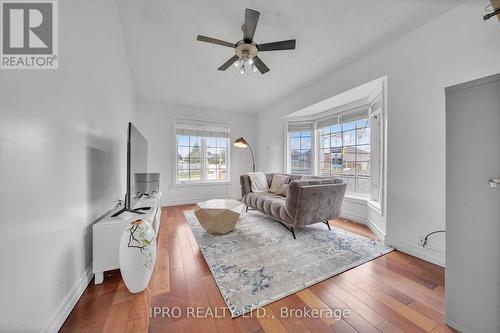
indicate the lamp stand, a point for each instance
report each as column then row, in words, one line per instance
column 253, row 158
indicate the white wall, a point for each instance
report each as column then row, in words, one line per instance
column 455, row 47
column 62, row 164
column 155, row 121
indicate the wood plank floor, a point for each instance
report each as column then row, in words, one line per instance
column 394, row 293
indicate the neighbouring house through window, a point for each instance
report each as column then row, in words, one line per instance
column 202, row 152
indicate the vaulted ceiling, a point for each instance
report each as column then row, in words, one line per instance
column 168, row 64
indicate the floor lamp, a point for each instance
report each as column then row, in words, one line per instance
column 242, row 143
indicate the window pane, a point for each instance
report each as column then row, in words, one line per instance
column 194, row 175
column 195, row 152
column 305, row 142
column 362, row 123
column 211, row 142
column 337, row 140
column 348, row 126
column 348, row 168
column 195, row 141
column 363, row 136
column 363, row 153
column 222, row 156
column 349, row 153
column 183, row 175
column 351, row 184
column 336, row 128
column 295, row 143
column 212, row 157
column 363, row 185
column 349, row 138
column 300, row 145
column 183, row 154
column 212, row 174
column 363, row 168
column 222, row 142
column 183, row 140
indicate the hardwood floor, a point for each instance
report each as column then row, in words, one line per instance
column 394, row 293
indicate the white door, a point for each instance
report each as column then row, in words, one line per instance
column 472, row 206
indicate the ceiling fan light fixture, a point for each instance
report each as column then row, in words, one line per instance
column 246, row 49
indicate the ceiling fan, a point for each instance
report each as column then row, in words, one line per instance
column 246, row 50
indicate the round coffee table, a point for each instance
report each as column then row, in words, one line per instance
column 218, row 216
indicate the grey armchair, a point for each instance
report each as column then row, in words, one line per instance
column 309, row 200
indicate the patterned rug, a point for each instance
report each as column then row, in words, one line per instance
column 260, row 262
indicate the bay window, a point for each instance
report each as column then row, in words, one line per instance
column 347, row 144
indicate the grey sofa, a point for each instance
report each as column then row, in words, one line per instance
column 309, row 200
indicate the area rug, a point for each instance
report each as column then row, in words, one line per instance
column 260, row 262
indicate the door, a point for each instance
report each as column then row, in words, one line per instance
column 472, row 206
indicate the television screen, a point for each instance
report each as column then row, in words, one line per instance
column 137, row 163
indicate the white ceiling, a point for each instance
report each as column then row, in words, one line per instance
column 169, row 65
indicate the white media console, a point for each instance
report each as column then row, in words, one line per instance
column 108, row 231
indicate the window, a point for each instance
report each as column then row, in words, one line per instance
column 344, row 149
column 300, row 148
column 202, row 152
column 348, row 144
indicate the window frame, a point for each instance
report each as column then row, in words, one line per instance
column 287, row 145
column 203, row 155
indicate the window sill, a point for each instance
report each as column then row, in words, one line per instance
column 365, row 200
column 375, row 206
column 357, row 198
column 200, row 184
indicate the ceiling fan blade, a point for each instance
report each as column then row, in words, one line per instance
column 260, row 65
column 251, row 19
column 228, row 63
column 277, row 46
column 206, row 39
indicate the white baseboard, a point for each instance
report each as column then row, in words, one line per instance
column 426, row 254
column 69, row 302
column 376, row 230
column 457, row 327
column 353, row 217
column 175, row 202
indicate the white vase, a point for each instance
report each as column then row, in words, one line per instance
column 137, row 255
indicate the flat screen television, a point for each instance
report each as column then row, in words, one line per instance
column 137, row 163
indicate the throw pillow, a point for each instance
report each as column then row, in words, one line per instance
column 258, row 182
column 278, row 182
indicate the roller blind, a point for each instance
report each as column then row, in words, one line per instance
column 342, row 118
column 299, row 127
column 202, row 128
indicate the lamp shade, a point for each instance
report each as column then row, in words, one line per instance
column 240, row 143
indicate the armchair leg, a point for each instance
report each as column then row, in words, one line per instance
column 246, row 211
column 327, row 224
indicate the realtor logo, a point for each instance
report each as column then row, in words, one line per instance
column 29, row 34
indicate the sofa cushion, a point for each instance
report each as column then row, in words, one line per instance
column 268, row 203
column 278, row 182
